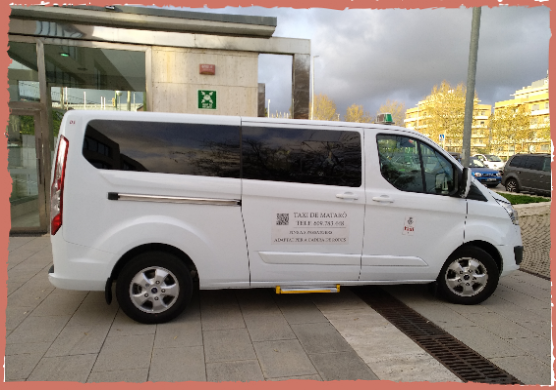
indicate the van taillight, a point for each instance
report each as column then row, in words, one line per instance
column 57, row 190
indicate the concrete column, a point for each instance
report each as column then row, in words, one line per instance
column 300, row 85
column 261, row 99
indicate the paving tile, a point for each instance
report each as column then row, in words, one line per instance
column 123, row 325
column 59, row 303
column 95, row 300
column 527, row 288
column 283, row 358
column 183, row 331
column 412, row 368
column 15, row 316
column 27, row 348
column 521, row 299
column 498, row 325
column 227, row 345
column 221, row 317
column 342, row 366
column 482, row 341
column 18, row 242
column 526, row 368
column 19, row 367
column 257, row 302
column 125, row 352
column 37, row 261
column 31, row 293
column 300, row 311
column 85, row 333
column 136, row 375
column 244, row 371
column 345, row 300
column 313, row 377
column 539, row 347
column 268, row 327
column 67, row 368
column 372, row 338
column 320, row 338
column 177, row 364
column 37, row 330
column 443, row 315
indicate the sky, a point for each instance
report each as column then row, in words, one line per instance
column 369, row 56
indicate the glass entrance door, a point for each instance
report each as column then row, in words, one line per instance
column 27, row 200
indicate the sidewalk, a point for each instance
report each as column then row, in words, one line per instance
column 252, row 335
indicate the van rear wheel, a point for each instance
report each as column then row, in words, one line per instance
column 154, row 287
column 469, row 276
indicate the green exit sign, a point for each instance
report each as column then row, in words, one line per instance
column 207, row 100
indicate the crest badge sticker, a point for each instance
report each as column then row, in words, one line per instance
column 409, row 226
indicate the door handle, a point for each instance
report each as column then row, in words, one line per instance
column 347, row 195
column 383, row 199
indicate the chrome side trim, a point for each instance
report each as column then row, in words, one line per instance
column 173, row 199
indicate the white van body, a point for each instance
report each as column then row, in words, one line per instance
column 235, row 232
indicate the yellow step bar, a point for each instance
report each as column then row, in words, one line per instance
column 308, row 290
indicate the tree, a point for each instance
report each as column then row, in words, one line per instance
column 509, row 125
column 445, row 112
column 355, row 113
column 397, row 109
column 325, row 108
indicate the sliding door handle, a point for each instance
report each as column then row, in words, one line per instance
column 383, row 199
column 347, row 195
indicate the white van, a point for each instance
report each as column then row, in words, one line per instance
column 162, row 203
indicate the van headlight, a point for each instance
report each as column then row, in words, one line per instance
column 510, row 210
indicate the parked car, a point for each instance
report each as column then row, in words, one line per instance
column 487, row 176
column 528, row 172
column 491, row 161
column 456, row 155
column 163, row 203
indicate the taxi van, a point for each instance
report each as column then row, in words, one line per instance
column 161, row 204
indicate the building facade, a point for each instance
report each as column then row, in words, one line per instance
column 534, row 99
column 132, row 59
column 418, row 118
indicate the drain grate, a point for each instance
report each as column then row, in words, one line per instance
column 457, row 357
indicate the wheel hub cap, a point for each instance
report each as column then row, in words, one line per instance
column 466, row 277
column 154, row 290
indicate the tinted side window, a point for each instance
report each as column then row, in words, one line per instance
column 179, row 148
column 546, row 166
column 536, row 163
column 518, row 161
column 302, row 156
column 412, row 166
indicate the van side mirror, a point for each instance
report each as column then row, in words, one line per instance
column 465, row 183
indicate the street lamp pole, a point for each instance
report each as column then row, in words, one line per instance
column 313, row 87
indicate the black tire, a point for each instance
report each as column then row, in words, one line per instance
column 148, row 301
column 473, row 281
column 512, row 186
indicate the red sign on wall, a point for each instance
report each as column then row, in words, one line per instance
column 207, row 69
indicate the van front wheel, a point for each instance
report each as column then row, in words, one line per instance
column 154, row 287
column 468, row 277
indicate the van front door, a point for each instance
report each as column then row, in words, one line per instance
column 303, row 204
column 411, row 225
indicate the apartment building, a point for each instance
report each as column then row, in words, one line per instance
column 535, row 99
column 418, row 118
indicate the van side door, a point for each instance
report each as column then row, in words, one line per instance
column 411, row 224
column 303, row 203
